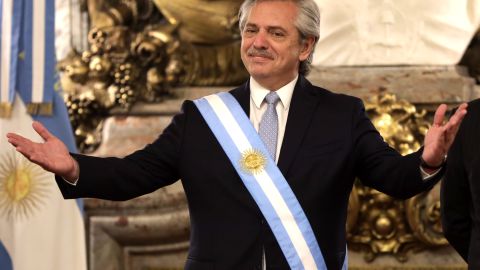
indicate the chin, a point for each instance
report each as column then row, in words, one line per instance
column 259, row 72
column 260, row 75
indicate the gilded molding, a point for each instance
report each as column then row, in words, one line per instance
column 378, row 224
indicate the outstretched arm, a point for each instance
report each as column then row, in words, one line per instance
column 52, row 155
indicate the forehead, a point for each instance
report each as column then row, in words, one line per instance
column 273, row 14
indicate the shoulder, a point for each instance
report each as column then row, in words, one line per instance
column 469, row 126
column 329, row 98
column 473, row 113
column 474, row 106
column 191, row 106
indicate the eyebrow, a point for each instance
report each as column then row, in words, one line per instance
column 273, row 27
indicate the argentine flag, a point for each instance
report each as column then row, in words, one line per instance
column 39, row 230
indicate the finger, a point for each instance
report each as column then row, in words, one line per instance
column 453, row 124
column 457, row 117
column 17, row 140
column 22, row 151
column 13, row 135
column 439, row 115
column 42, row 131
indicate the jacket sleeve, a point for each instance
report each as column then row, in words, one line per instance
column 139, row 173
column 381, row 167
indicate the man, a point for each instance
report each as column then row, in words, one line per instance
column 461, row 190
column 322, row 141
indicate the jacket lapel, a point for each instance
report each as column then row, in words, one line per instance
column 242, row 95
column 302, row 107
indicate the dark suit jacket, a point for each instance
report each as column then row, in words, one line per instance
column 460, row 195
column 328, row 142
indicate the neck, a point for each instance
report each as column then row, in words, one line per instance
column 273, row 84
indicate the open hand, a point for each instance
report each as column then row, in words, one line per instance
column 440, row 136
column 52, row 155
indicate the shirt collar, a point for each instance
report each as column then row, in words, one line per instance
column 258, row 93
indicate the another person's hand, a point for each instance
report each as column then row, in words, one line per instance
column 52, row 155
column 440, row 136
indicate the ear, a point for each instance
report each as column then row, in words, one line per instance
column 307, row 48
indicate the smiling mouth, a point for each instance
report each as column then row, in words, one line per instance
column 259, row 54
column 259, row 57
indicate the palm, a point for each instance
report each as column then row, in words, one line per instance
column 435, row 144
column 440, row 136
column 52, row 155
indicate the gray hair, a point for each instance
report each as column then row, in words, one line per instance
column 307, row 24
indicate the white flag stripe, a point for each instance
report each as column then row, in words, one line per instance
column 7, row 11
column 265, row 182
column 38, row 50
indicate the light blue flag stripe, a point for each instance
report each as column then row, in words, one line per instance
column 50, row 59
column 250, row 182
column 5, row 261
column 14, row 47
column 24, row 79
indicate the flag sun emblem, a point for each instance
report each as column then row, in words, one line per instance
column 23, row 186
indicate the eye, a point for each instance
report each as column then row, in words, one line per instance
column 250, row 30
column 277, row 33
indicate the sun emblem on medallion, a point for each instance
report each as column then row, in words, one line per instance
column 253, row 161
column 23, row 186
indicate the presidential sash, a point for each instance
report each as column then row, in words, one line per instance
column 263, row 179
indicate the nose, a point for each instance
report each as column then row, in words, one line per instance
column 260, row 41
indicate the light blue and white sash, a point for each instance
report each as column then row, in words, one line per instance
column 263, row 179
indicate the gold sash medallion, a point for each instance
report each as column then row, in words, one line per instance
column 253, row 161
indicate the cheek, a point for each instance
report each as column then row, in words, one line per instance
column 245, row 44
column 294, row 52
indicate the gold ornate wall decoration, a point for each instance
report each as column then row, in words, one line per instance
column 139, row 51
column 379, row 224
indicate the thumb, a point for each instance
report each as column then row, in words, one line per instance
column 42, row 131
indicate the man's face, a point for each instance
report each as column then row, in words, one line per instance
column 271, row 48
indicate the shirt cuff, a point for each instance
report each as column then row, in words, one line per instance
column 77, row 168
column 74, row 183
column 426, row 176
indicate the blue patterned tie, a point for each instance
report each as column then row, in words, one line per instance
column 268, row 128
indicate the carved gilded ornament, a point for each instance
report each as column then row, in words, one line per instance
column 377, row 223
column 140, row 50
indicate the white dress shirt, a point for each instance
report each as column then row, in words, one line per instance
column 258, row 106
